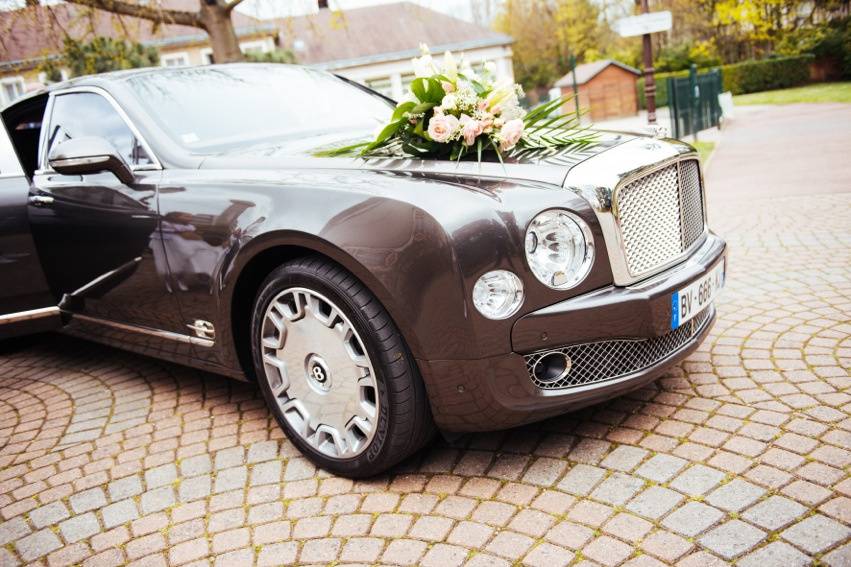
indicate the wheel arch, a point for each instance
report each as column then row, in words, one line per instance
column 265, row 253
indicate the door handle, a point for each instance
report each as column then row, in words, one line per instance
column 41, row 200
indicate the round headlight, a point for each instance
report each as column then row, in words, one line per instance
column 559, row 248
column 498, row 294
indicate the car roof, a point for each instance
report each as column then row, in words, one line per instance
column 103, row 80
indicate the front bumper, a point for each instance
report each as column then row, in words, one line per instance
column 498, row 392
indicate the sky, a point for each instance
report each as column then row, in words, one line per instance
column 282, row 8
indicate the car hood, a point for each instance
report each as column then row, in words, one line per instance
column 542, row 166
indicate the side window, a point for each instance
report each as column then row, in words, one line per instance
column 88, row 114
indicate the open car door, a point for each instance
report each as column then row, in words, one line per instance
column 26, row 302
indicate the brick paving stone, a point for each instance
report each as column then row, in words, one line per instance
column 442, row 555
column 47, row 515
column 581, row 479
column 119, row 513
column 774, row 513
column 733, row 538
column 470, row 534
column 404, row 551
column 692, row 519
column 655, row 502
column 627, row 527
column 735, row 495
column 624, row 458
column 278, row 554
column 617, row 489
column 697, row 480
column 839, row 557
column 666, row 546
column 87, row 500
column 510, row 545
column 570, row 535
column 775, row 554
column 816, row 534
column 548, row 555
column 607, row 551
column 37, row 544
column 320, row 550
column 79, row 527
column 661, row 468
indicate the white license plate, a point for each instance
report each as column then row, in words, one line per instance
column 694, row 298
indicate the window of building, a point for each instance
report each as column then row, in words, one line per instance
column 11, row 88
column 207, row 56
column 260, row 46
column 381, row 85
column 174, row 59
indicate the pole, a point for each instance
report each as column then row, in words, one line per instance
column 649, row 80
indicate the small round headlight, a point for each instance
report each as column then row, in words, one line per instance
column 498, row 294
column 559, row 248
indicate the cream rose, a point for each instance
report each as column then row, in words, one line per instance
column 510, row 134
column 441, row 128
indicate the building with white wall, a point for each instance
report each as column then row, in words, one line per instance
column 374, row 45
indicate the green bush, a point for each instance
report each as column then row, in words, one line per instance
column 766, row 75
column 746, row 77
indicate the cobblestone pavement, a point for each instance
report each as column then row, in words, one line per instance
column 742, row 453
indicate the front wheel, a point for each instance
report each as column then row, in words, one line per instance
column 335, row 371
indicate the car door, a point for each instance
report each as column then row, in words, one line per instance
column 98, row 237
column 26, row 302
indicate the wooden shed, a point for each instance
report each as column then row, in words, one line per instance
column 607, row 88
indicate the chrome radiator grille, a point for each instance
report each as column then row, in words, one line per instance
column 660, row 216
column 591, row 363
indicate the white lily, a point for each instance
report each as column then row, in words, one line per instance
column 450, row 66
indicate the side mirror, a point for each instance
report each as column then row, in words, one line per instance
column 89, row 154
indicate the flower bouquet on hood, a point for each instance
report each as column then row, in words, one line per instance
column 451, row 111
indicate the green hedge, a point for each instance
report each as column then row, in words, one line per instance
column 745, row 77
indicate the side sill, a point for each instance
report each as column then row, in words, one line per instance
column 167, row 335
column 30, row 315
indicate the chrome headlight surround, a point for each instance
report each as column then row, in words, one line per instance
column 559, row 248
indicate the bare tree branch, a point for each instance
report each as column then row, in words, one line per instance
column 233, row 4
column 154, row 14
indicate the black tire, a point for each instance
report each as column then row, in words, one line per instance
column 404, row 424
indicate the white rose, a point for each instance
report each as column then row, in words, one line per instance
column 449, row 102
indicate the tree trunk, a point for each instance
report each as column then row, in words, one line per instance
column 216, row 20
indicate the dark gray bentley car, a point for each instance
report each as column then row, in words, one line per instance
column 182, row 213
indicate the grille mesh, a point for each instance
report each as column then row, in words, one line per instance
column 691, row 202
column 604, row 360
column 660, row 216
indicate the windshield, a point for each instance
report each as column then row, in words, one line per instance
column 216, row 109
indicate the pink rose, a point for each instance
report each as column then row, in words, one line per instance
column 510, row 134
column 470, row 129
column 442, row 127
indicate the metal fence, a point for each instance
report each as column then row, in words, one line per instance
column 693, row 102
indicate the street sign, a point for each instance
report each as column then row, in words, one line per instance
column 644, row 23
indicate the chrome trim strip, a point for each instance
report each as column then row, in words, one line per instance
column 167, row 335
column 21, row 316
column 45, row 168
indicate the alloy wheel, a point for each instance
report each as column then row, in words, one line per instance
column 319, row 373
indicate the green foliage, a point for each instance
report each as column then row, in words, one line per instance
column 756, row 76
column 829, row 42
column 682, row 56
column 745, row 77
column 104, row 54
column 276, row 56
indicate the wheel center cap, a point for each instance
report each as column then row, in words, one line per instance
column 318, row 374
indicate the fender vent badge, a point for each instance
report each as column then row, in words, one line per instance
column 203, row 329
